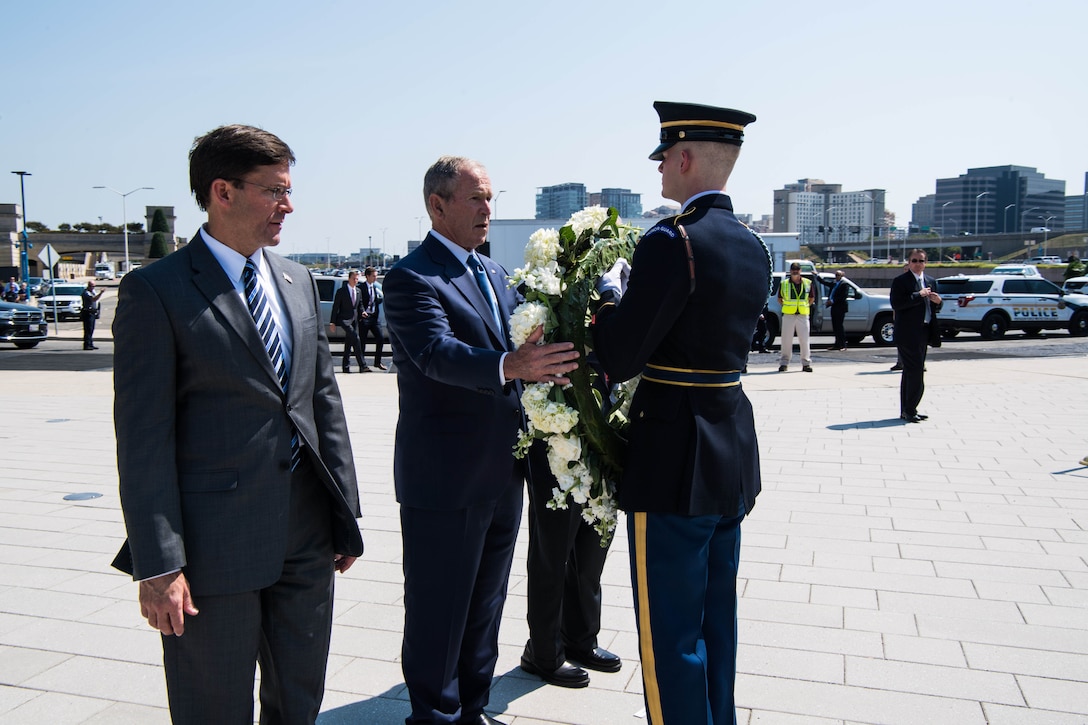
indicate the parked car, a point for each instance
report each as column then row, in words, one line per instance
column 1046, row 260
column 867, row 314
column 992, row 304
column 22, row 325
column 327, row 285
column 1020, row 270
column 67, row 299
column 1076, row 284
column 34, row 285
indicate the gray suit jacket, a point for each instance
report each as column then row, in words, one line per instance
column 204, row 429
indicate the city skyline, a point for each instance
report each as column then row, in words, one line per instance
column 369, row 97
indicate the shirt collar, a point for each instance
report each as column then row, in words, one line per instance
column 701, row 194
column 231, row 261
column 456, row 250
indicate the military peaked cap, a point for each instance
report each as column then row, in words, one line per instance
column 696, row 122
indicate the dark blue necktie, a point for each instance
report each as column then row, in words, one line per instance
column 485, row 286
column 270, row 335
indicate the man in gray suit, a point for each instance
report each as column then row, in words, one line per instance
column 236, row 475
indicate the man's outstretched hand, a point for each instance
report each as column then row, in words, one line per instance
column 539, row 363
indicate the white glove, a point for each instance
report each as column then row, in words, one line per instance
column 615, row 279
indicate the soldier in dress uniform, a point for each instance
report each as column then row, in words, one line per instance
column 682, row 315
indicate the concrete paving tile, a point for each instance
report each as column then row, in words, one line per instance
column 1052, row 694
column 1006, row 715
column 123, row 713
column 844, row 596
column 924, row 650
column 927, row 679
column 13, row 697
column 55, row 605
column 871, row 580
column 913, row 567
column 80, row 638
column 816, row 639
column 853, row 703
column 781, row 591
column 1051, row 616
column 1021, row 660
column 1062, row 597
column 1010, row 592
column 513, row 696
column 1011, row 635
column 908, row 537
column 781, row 718
column 377, row 644
column 850, row 562
column 17, row 664
column 764, row 610
column 868, row 620
column 869, row 548
column 990, row 557
column 790, row 663
column 367, row 677
column 999, row 573
column 97, row 678
column 56, row 709
column 349, row 709
column 965, row 607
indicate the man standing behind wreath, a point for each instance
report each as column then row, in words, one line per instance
column 236, row 474
column 698, row 282
column 457, row 481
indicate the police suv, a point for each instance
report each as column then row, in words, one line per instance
column 991, row 304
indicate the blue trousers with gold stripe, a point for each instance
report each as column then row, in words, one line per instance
column 684, row 571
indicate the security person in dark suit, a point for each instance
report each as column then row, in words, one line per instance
column 837, row 301
column 697, row 284
column 88, row 314
column 345, row 312
column 916, row 304
column 369, row 321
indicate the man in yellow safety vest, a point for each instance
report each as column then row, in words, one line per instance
column 796, row 297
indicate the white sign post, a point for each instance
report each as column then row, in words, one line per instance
column 49, row 257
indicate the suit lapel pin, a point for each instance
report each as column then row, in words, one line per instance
column 288, row 278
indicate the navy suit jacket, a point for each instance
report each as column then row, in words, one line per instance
column 204, row 428
column 458, row 421
column 910, row 307
column 691, row 450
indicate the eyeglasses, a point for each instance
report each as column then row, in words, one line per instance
column 917, row 261
column 277, row 192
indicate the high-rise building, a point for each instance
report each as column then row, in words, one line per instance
column 1076, row 210
column 560, row 201
column 626, row 202
column 824, row 214
column 996, row 200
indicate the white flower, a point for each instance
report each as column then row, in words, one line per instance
column 547, row 416
column 592, row 217
column 563, row 449
column 527, row 317
column 545, row 278
column 543, row 247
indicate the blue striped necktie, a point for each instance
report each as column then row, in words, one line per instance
column 485, row 286
column 270, row 335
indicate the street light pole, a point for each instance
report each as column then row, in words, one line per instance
column 495, row 203
column 124, row 215
column 1046, row 230
column 24, row 258
column 419, row 227
column 1022, row 219
column 976, row 209
column 942, row 217
column 1005, row 216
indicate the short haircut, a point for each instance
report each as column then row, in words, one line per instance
column 918, row 251
column 369, row 271
column 231, row 152
column 795, row 267
column 441, row 178
column 353, row 273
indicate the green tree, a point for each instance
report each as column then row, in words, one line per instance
column 36, row 227
column 133, row 228
column 158, row 248
column 1075, row 268
column 65, row 227
column 158, row 222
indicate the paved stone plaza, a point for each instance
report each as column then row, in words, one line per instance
column 891, row 573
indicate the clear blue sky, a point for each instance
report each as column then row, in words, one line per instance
column 865, row 94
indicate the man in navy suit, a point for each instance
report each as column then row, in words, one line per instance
column 345, row 313
column 236, row 476
column 457, row 482
column 369, row 320
column 916, row 303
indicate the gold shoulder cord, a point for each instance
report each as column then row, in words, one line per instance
column 691, row 257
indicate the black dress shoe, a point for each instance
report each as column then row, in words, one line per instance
column 921, row 416
column 345, row 370
column 596, row 659
column 381, row 367
column 564, row 676
column 482, row 719
column 912, row 418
